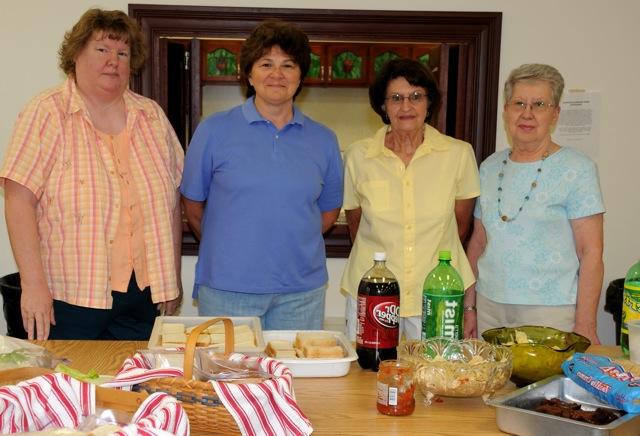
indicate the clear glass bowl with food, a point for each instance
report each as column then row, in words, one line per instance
column 451, row 368
column 537, row 351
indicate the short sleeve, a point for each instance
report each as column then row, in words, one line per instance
column 175, row 150
column 468, row 185
column 351, row 200
column 331, row 196
column 585, row 199
column 198, row 165
column 31, row 152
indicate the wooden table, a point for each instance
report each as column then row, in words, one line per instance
column 335, row 406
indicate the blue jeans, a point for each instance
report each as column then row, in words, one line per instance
column 290, row 311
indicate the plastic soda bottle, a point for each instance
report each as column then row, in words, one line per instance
column 630, row 304
column 378, row 309
column 442, row 300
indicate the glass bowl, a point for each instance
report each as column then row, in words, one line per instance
column 537, row 351
column 468, row 368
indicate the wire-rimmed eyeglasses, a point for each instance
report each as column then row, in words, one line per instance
column 414, row 98
column 537, row 106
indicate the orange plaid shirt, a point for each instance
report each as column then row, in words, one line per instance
column 57, row 154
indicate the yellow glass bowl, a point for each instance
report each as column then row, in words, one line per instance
column 537, row 351
column 468, row 368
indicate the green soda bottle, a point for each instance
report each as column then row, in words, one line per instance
column 442, row 301
column 630, row 304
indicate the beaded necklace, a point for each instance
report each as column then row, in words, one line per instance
column 534, row 184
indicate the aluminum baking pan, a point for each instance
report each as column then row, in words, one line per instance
column 514, row 414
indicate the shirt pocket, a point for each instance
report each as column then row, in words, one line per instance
column 376, row 195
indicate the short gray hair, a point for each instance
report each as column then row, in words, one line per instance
column 535, row 72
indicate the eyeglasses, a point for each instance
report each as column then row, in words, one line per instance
column 537, row 107
column 414, row 98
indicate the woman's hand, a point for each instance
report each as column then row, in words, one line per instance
column 470, row 324
column 36, row 303
column 588, row 237
column 588, row 332
column 36, row 306
column 171, row 306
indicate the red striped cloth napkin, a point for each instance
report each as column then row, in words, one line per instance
column 268, row 408
column 59, row 401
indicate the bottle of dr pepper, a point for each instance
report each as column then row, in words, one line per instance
column 378, row 310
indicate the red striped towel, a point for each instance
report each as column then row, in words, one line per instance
column 58, row 401
column 268, row 408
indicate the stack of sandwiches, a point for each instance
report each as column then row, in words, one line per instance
column 175, row 335
column 312, row 345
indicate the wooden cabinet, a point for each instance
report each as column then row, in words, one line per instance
column 220, row 60
column 332, row 64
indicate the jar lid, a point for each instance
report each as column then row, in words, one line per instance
column 379, row 256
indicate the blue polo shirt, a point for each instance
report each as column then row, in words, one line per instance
column 265, row 190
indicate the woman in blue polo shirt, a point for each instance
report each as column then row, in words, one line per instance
column 261, row 183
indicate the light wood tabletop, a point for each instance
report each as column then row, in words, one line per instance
column 335, row 406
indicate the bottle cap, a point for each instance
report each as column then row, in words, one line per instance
column 444, row 255
column 379, row 256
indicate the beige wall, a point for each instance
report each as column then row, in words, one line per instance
column 593, row 43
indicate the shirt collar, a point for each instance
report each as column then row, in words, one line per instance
column 433, row 141
column 252, row 115
column 134, row 103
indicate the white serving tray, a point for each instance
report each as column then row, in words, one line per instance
column 155, row 341
column 303, row 367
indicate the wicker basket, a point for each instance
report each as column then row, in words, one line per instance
column 198, row 398
column 123, row 401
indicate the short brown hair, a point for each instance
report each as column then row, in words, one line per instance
column 289, row 37
column 414, row 72
column 115, row 24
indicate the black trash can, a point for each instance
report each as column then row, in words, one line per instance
column 11, row 292
column 613, row 303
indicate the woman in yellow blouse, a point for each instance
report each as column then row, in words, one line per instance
column 409, row 191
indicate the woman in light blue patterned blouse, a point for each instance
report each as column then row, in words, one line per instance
column 537, row 242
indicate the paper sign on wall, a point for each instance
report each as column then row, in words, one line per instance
column 579, row 123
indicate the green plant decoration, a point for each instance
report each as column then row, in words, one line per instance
column 424, row 59
column 314, row 67
column 221, row 62
column 382, row 59
column 347, row 65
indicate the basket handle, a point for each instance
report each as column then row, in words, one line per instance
column 190, row 347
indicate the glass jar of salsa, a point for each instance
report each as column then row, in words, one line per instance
column 395, row 388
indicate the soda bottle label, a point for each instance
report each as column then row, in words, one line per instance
column 630, row 306
column 378, row 321
column 442, row 315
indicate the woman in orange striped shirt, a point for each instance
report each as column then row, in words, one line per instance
column 91, row 181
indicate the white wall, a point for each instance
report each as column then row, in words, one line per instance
column 593, row 43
